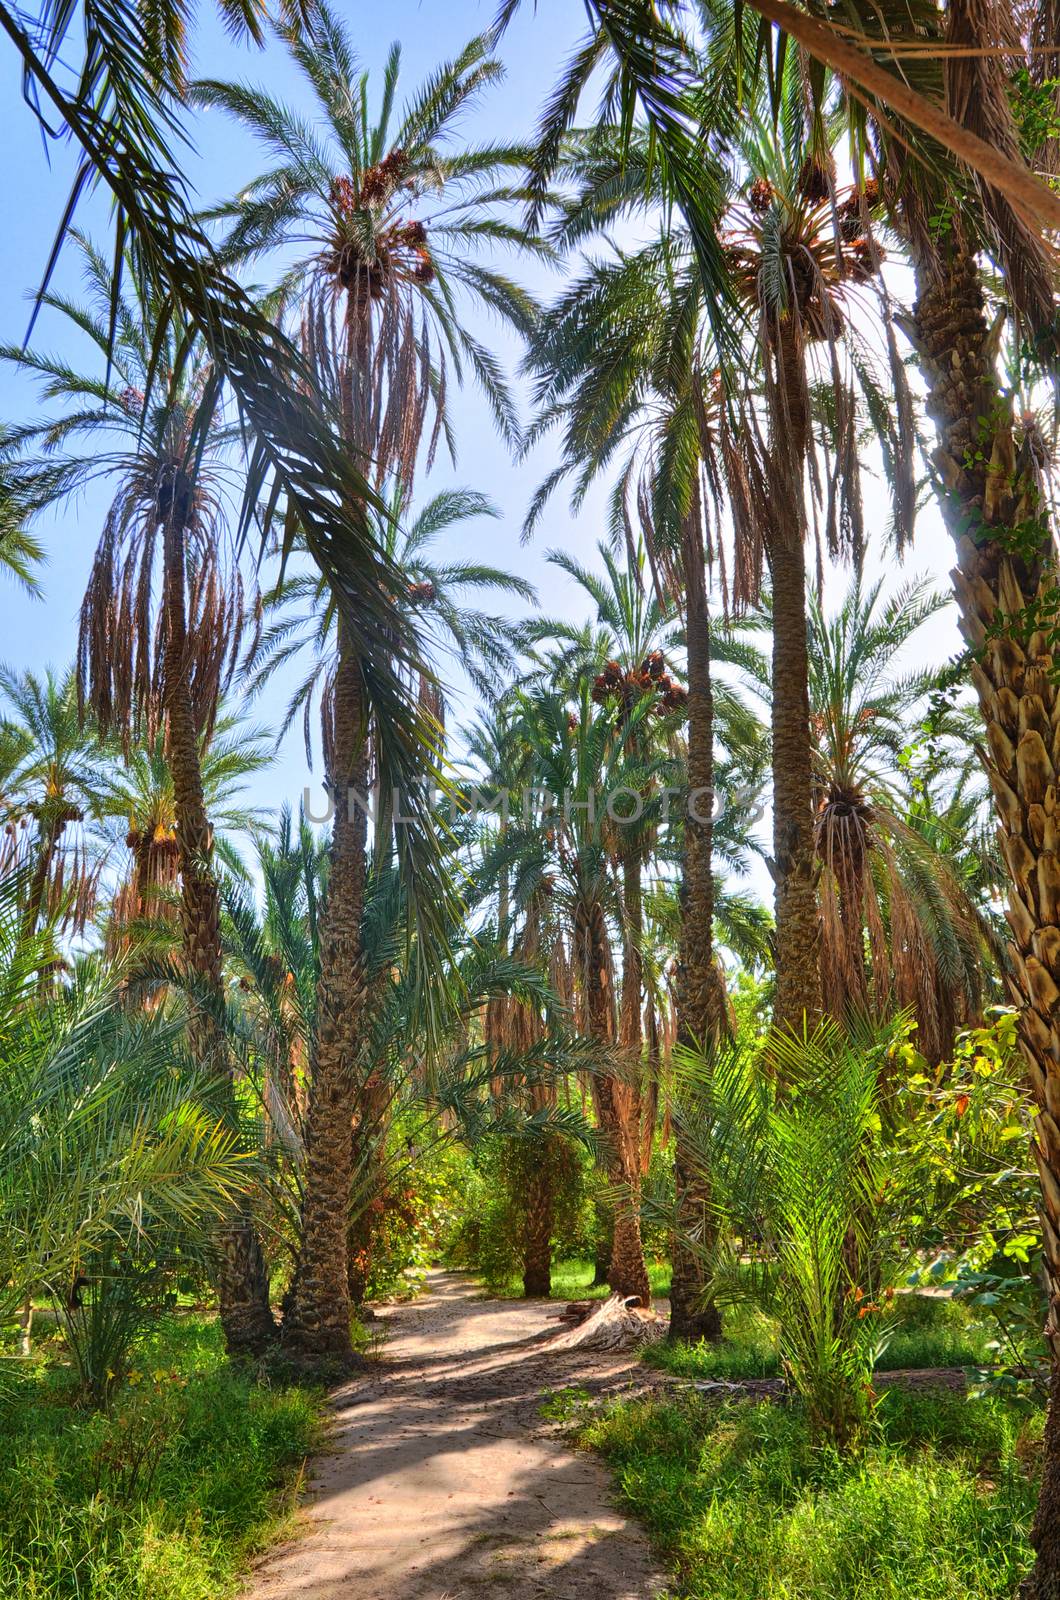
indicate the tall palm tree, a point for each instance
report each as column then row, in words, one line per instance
column 121, row 109
column 570, row 858
column 162, row 620
column 960, row 101
column 632, row 630
column 901, row 927
column 55, row 789
column 800, row 281
column 395, row 213
column 620, row 361
column 955, row 221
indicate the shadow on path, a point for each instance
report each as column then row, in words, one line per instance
column 440, row 1481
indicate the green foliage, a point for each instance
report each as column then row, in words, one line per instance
column 1034, row 106
column 163, row 1499
column 742, row 1502
column 809, row 1231
column 488, row 1237
column 964, row 1130
column 413, row 1220
column 106, row 1131
column 836, row 1162
column 119, row 1293
column 928, row 1331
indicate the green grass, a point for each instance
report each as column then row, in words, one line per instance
column 930, row 1332
column 164, row 1499
column 573, row 1280
column 743, row 1507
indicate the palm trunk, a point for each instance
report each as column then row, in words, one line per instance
column 700, row 1002
column 602, row 1243
column 627, row 1273
column 798, row 963
column 537, row 1229
column 1005, row 584
column 242, row 1276
column 798, row 995
column 630, row 1029
column 317, row 1309
column 38, row 883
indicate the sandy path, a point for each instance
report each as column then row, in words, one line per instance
column 441, row 1481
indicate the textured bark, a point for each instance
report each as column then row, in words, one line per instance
column 1043, row 1582
column 798, row 935
column 242, row 1276
column 317, row 1309
column 617, row 1110
column 602, row 1245
column 699, row 1000
column 1005, row 584
column 39, row 880
column 630, row 1027
column 537, row 1229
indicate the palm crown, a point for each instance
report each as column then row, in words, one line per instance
column 391, row 215
column 167, row 466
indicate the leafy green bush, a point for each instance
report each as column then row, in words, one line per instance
column 162, row 1499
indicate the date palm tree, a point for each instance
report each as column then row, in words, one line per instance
column 162, row 620
column 56, row 789
column 395, row 213
column 619, row 362
column 570, row 860
column 101, row 1120
column 901, row 927
column 951, row 99
column 630, row 635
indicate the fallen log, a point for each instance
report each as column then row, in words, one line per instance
column 574, row 1312
column 616, row 1323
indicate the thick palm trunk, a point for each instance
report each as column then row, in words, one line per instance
column 39, row 880
column 1005, row 583
column 242, row 1277
column 798, row 992
column 602, row 1243
column 798, row 936
column 700, row 1002
column 317, row 1308
column 631, row 1033
column 537, row 1229
column 616, row 1109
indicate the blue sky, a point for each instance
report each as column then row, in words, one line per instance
column 33, row 634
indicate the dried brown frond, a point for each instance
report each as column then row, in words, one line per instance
column 977, row 96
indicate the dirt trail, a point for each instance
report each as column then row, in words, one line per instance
column 441, row 1482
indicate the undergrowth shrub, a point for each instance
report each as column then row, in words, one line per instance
column 165, row 1497
column 745, row 1506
